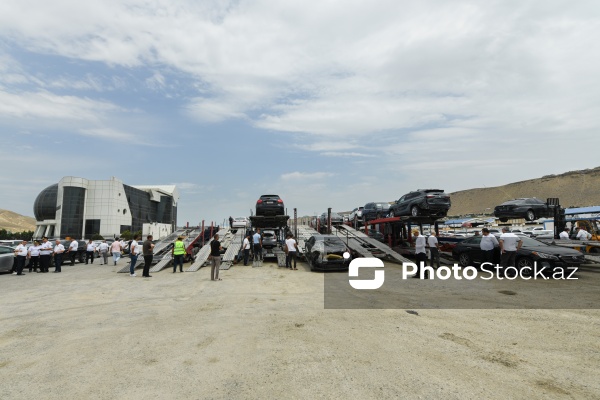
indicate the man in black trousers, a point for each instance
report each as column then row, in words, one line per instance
column 148, row 250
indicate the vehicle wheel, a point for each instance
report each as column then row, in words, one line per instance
column 530, row 215
column 392, row 215
column 464, row 259
column 414, row 211
column 525, row 262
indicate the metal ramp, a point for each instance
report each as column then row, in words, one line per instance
column 233, row 249
column 366, row 243
column 162, row 263
column 204, row 252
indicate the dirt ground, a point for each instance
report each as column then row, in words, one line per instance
column 264, row 333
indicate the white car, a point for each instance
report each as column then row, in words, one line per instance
column 240, row 222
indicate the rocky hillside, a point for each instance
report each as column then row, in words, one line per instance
column 574, row 189
column 14, row 222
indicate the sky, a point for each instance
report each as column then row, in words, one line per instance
column 327, row 104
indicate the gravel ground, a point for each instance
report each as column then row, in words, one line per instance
column 264, row 333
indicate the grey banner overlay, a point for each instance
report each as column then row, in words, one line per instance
column 398, row 293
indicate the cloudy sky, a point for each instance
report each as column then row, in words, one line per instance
column 329, row 104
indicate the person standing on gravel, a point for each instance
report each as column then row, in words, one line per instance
column 246, row 249
column 34, row 256
column 59, row 250
column 215, row 255
column 148, row 250
column 21, row 254
column 133, row 254
column 292, row 248
column 73, row 246
column 45, row 255
column 434, row 248
column 116, row 248
column 103, row 252
column 90, row 250
column 509, row 245
column 420, row 252
column 178, row 252
column 487, row 245
column 257, row 245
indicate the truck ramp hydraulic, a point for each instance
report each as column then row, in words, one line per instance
column 366, row 246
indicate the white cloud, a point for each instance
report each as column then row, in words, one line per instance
column 304, row 176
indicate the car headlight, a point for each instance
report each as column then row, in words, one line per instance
column 545, row 255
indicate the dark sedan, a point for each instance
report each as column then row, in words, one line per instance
column 468, row 252
column 326, row 252
column 528, row 208
column 375, row 210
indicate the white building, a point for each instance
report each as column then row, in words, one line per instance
column 80, row 208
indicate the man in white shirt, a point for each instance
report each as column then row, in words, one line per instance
column 420, row 252
column 134, row 251
column 103, row 252
column 246, row 249
column 59, row 249
column 509, row 245
column 73, row 246
column 583, row 234
column 21, row 254
column 487, row 245
column 45, row 255
column 34, row 256
column 434, row 248
column 90, row 250
column 292, row 248
column 564, row 235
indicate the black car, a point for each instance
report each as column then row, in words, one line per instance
column 427, row 202
column 269, row 204
column 336, row 219
column 528, row 208
column 375, row 210
column 468, row 252
column 269, row 239
column 326, row 252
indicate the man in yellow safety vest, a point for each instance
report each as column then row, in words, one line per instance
column 178, row 253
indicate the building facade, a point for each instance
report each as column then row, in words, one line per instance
column 79, row 208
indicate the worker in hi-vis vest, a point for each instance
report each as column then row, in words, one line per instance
column 178, row 253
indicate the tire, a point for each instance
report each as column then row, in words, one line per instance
column 414, row 211
column 530, row 216
column 464, row 259
column 524, row 262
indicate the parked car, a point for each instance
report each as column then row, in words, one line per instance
column 240, row 222
column 468, row 252
column 7, row 258
column 269, row 204
column 428, row 202
column 326, row 252
column 375, row 210
column 336, row 219
column 528, row 208
column 356, row 214
column 269, row 239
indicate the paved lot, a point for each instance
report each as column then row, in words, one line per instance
column 264, row 333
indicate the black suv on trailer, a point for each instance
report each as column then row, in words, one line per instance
column 429, row 202
column 269, row 204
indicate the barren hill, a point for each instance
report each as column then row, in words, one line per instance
column 14, row 222
column 574, row 189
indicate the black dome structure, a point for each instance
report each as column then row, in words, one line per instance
column 44, row 207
